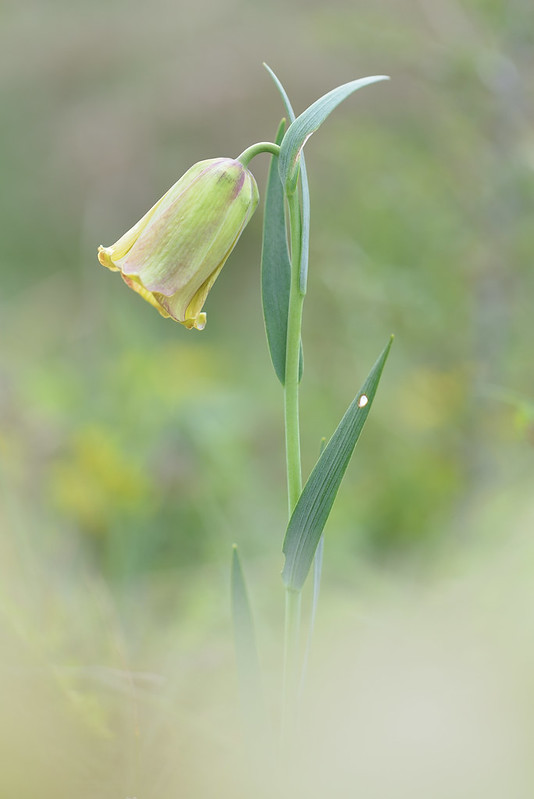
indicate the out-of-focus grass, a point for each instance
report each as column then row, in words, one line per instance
column 132, row 453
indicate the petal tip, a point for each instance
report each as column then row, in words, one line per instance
column 104, row 257
column 198, row 323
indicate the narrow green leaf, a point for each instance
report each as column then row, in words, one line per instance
column 313, row 507
column 275, row 267
column 307, row 123
column 317, row 572
column 258, row 735
column 305, row 236
column 285, row 99
column 248, row 667
column 305, row 240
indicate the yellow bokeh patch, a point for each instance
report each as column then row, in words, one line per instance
column 97, row 478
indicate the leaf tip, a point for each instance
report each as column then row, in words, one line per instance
column 388, row 346
column 235, row 559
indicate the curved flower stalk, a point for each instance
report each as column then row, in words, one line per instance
column 173, row 255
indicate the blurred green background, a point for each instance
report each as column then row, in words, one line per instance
column 133, row 452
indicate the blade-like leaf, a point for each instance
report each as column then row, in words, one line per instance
column 313, row 507
column 305, row 237
column 317, row 572
column 307, row 123
column 248, row 667
column 275, row 268
column 285, row 99
column 258, row 735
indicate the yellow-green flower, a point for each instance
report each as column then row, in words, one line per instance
column 174, row 254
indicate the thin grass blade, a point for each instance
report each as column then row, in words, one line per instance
column 248, row 666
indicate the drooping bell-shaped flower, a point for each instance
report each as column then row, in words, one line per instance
column 174, row 254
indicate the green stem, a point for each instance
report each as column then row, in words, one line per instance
column 255, row 149
column 291, row 670
column 291, row 388
column 294, row 471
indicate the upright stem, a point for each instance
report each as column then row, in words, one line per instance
column 294, row 471
column 291, row 670
column 291, row 392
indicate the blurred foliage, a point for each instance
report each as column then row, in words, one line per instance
column 133, row 452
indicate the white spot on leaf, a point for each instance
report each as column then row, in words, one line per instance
column 362, row 402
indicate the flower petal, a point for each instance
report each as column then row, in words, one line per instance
column 138, row 287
